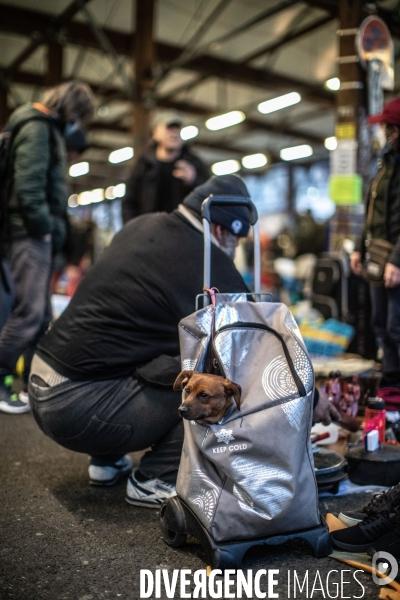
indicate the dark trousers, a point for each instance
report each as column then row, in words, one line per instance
column 30, row 265
column 386, row 324
column 107, row 419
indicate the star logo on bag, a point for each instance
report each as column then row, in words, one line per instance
column 224, row 435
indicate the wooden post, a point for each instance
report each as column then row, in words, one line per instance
column 351, row 114
column 54, row 63
column 143, row 58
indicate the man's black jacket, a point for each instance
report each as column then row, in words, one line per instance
column 142, row 187
column 126, row 310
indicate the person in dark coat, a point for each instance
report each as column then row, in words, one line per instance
column 384, row 197
column 36, row 218
column 164, row 175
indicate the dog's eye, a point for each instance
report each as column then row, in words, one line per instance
column 203, row 395
column 186, row 390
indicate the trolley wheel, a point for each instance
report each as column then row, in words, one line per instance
column 172, row 517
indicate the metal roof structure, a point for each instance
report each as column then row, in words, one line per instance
column 212, row 57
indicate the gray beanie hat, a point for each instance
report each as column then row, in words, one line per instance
column 234, row 218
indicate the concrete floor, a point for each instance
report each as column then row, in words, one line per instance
column 61, row 539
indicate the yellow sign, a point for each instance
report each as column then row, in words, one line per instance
column 346, row 131
column 345, row 189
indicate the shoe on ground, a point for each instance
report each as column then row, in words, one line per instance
column 380, row 503
column 361, row 537
column 110, row 474
column 23, row 396
column 390, row 541
column 150, row 493
column 9, row 402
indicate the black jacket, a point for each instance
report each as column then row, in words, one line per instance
column 126, row 310
column 142, row 187
column 392, row 207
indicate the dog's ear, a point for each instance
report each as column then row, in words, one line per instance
column 182, row 379
column 233, row 389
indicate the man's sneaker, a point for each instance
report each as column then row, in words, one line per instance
column 382, row 502
column 362, row 536
column 10, row 402
column 23, row 396
column 110, row 474
column 150, row 493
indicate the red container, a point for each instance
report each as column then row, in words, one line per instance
column 375, row 417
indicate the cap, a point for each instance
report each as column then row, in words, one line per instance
column 234, row 218
column 167, row 119
column 390, row 113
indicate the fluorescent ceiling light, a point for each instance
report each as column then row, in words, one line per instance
column 278, row 103
column 85, row 198
column 79, row 169
column 333, row 84
column 189, row 132
column 119, row 190
column 227, row 120
column 97, row 195
column 225, row 167
column 73, row 200
column 120, row 155
column 330, row 143
column 296, row 152
column 254, row 161
column 110, row 193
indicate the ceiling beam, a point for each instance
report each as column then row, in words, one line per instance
column 189, row 108
column 286, row 39
column 31, row 23
column 57, row 22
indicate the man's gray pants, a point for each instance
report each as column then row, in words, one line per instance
column 107, row 419
column 30, row 263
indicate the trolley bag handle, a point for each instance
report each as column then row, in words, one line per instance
column 206, row 217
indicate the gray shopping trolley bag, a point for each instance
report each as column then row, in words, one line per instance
column 251, row 475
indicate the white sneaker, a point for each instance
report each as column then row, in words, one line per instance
column 24, row 397
column 150, row 493
column 110, row 474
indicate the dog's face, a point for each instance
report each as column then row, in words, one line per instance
column 206, row 397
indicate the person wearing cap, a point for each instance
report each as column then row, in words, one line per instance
column 101, row 379
column 384, row 192
column 165, row 174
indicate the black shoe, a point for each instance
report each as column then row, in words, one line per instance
column 390, row 541
column 380, row 503
column 361, row 537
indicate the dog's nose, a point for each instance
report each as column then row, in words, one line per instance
column 183, row 409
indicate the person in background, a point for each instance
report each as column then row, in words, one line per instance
column 164, row 175
column 37, row 218
column 385, row 194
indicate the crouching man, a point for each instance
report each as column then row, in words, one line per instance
column 101, row 379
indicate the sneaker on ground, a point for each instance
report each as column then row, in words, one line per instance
column 361, row 537
column 9, row 402
column 23, row 396
column 150, row 493
column 381, row 502
column 110, row 474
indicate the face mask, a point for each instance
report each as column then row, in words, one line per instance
column 71, row 127
column 229, row 245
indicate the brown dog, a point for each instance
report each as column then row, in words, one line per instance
column 206, row 397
